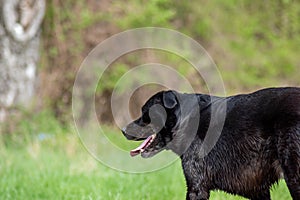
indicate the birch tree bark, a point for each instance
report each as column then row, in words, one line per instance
column 20, row 22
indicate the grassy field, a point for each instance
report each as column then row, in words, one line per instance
column 56, row 166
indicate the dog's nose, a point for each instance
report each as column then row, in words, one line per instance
column 123, row 130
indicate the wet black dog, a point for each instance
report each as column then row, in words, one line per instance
column 257, row 141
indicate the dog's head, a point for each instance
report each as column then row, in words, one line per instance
column 156, row 126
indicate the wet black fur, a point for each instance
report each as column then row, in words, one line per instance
column 259, row 143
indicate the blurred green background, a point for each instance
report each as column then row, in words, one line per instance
column 255, row 44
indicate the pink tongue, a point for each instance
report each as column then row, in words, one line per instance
column 137, row 150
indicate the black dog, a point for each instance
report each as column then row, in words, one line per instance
column 257, row 142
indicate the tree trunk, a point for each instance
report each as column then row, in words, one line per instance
column 20, row 22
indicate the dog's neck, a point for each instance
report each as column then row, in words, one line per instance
column 195, row 123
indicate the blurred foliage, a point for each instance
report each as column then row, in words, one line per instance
column 255, row 44
column 263, row 41
column 63, row 51
column 114, row 74
column 25, row 127
column 155, row 13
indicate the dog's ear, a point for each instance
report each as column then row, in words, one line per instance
column 169, row 99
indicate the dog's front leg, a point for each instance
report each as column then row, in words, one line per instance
column 197, row 195
column 196, row 186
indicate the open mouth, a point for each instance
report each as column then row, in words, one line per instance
column 143, row 146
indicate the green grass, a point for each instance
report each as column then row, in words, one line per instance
column 59, row 167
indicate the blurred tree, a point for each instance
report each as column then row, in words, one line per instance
column 20, row 23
